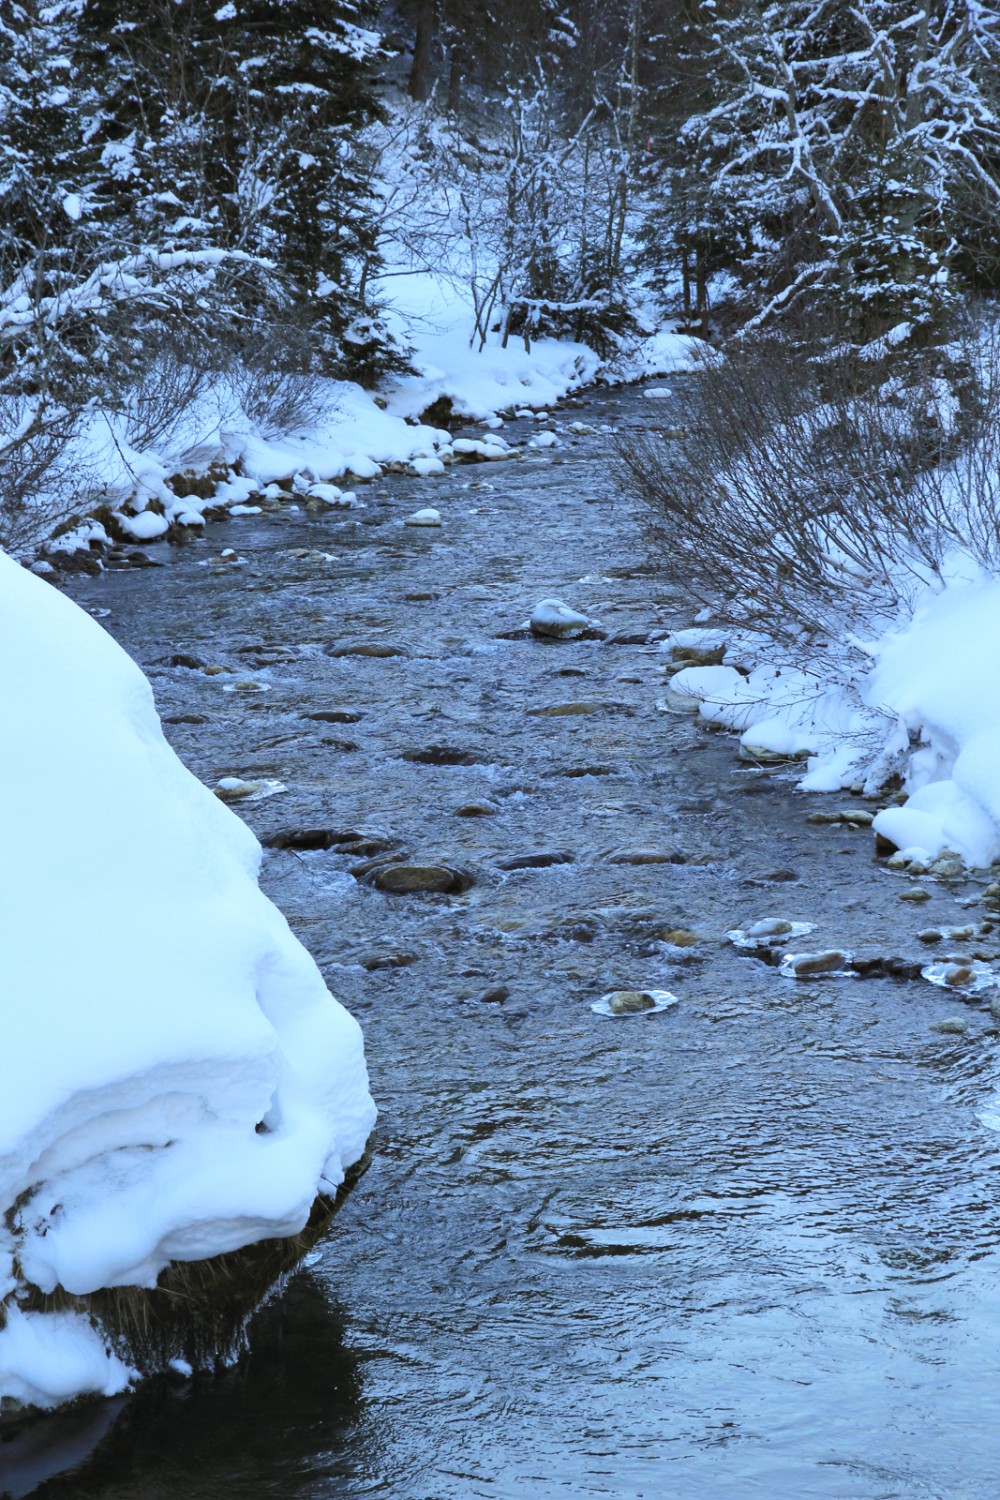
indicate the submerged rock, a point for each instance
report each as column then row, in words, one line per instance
column 647, row 857
column 915, row 893
column 477, row 810
column 536, row 859
column 366, row 648
column 681, row 937
column 567, row 710
column 334, row 716
column 443, row 755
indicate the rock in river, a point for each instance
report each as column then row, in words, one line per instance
column 633, row 1002
column 409, row 880
column 834, row 961
column 538, row 859
column 555, row 620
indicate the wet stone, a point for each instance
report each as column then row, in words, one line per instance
column 477, row 810
column 186, row 659
column 681, row 937
column 333, row 716
column 409, row 880
column 915, row 893
column 566, row 710
column 494, row 996
column 373, row 962
column 185, row 719
column 443, row 755
column 576, row 772
column 647, row 857
column 538, row 859
column 627, row 1002
column 954, row 1026
column 378, row 649
column 810, row 965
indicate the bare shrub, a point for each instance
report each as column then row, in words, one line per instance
column 273, row 382
column 41, row 486
column 812, row 494
column 154, row 405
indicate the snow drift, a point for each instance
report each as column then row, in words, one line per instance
column 177, row 1080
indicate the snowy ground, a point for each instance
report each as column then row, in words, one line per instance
column 178, row 1082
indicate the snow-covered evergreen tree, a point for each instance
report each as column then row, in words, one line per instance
column 848, row 149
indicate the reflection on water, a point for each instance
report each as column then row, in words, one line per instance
column 747, row 1246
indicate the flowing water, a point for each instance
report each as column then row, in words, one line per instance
column 745, row 1246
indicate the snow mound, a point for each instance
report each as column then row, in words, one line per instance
column 941, row 677
column 178, row 1082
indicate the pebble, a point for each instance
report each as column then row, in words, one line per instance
column 476, row 810
column 955, row 1026
column 915, row 893
column 681, row 937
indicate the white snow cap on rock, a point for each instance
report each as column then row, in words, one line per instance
column 177, row 1080
column 553, row 617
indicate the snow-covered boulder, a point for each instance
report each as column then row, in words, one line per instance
column 554, row 619
column 177, row 1080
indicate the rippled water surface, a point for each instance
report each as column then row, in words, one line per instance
column 747, row 1246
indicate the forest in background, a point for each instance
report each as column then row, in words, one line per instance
column 198, row 191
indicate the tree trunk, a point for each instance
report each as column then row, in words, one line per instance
column 418, row 85
column 455, row 72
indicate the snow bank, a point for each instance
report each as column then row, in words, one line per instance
column 929, row 710
column 941, row 676
column 434, row 316
column 178, row 1082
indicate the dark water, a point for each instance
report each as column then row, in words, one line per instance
column 745, row 1247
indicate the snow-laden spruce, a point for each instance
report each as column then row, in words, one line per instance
column 177, row 1080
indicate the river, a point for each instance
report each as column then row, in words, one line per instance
column 746, row 1246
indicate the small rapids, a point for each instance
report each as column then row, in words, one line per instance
column 743, row 1244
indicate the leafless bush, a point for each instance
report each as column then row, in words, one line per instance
column 40, row 485
column 153, row 406
column 273, row 383
column 812, row 495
